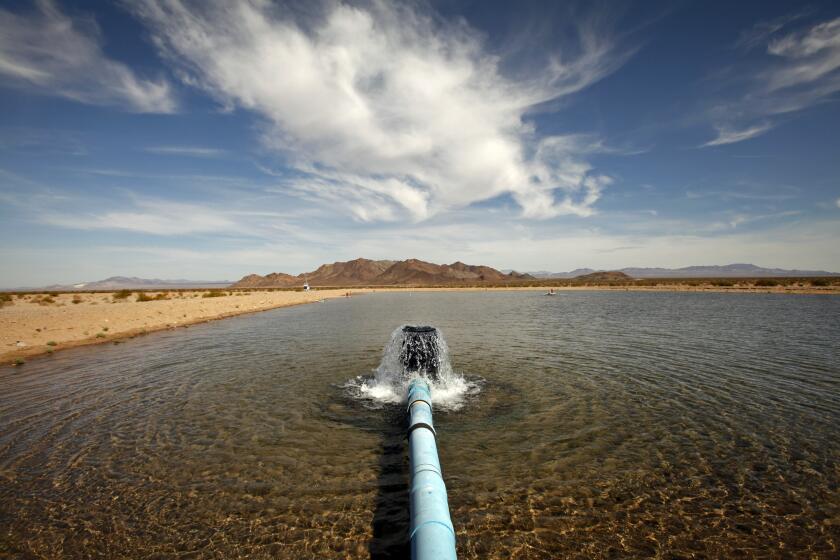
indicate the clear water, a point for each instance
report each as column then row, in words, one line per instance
column 606, row 425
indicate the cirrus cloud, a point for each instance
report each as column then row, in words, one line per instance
column 728, row 135
column 49, row 52
column 801, row 69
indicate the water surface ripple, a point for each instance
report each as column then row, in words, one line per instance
column 609, row 424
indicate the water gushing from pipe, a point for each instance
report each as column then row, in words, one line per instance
column 414, row 352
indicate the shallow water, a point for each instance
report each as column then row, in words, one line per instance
column 608, row 424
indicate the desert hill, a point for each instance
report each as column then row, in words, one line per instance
column 366, row 272
column 609, row 276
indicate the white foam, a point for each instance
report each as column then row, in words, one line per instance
column 389, row 383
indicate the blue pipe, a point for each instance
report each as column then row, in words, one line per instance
column 432, row 534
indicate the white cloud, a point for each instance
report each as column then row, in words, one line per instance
column 801, row 70
column 189, row 151
column 759, row 34
column 387, row 110
column 806, row 63
column 822, row 38
column 728, row 135
column 52, row 53
column 740, row 219
column 837, row 202
column 156, row 217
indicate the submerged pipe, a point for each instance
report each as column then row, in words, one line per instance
column 432, row 534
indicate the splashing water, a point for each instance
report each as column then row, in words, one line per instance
column 414, row 352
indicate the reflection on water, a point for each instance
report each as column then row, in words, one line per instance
column 608, row 425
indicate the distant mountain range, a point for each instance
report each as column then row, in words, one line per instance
column 738, row 270
column 365, row 272
column 127, row 283
column 414, row 272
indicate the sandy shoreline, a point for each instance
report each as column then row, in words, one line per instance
column 29, row 325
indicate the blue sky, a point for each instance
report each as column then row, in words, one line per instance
column 212, row 139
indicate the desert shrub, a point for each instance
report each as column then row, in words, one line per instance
column 19, row 362
column 51, row 343
column 100, row 335
column 77, row 299
column 214, row 293
column 123, row 294
column 5, row 299
column 723, row 283
column 44, row 300
column 162, row 295
column 766, row 283
column 142, row 296
column 820, row 282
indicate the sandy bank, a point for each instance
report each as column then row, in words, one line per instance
column 29, row 325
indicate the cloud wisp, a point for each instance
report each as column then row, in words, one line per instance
column 51, row 53
column 188, row 151
column 385, row 110
column 728, row 135
column 155, row 217
column 800, row 70
column 759, row 34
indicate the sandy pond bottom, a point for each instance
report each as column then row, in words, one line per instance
column 675, row 425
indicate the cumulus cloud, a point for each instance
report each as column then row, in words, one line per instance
column 800, row 71
column 386, row 110
column 52, row 53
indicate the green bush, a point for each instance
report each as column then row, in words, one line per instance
column 51, row 343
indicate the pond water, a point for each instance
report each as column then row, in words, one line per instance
column 593, row 425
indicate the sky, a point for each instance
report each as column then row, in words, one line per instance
column 211, row 139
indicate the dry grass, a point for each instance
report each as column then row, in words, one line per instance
column 214, row 293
